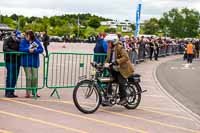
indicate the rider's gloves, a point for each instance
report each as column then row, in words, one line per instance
column 107, row 65
column 115, row 63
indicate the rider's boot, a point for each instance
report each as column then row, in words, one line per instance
column 123, row 101
column 106, row 101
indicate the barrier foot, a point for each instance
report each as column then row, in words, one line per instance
column 35, row 93
column 57, row 94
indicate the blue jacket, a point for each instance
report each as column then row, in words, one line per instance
column 101, row 46
column 30, row 60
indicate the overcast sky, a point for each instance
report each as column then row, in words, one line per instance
column 115, row 9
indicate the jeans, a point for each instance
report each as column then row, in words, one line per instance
column 12, row 76
column 135, row 57
column 197, row 53
column 31, row 78
column 151, row 53
column 189, row 58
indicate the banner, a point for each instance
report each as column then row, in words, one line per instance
column 137, row 24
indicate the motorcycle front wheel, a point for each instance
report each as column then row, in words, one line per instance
column 86, row 97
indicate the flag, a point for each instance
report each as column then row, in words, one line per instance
column 137, row 24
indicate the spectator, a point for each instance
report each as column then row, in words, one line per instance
column 152, row 47
column 141, row 49
column 31, row 61
column 190, row 52
column 156, row 50
column 128, row 47
column 197, row 43
column 12, row 60
column 1, row 35
column 101, row 47
column 133, row 45
column 45, row 40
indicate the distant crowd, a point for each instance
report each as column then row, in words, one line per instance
column 33, row 44
column 140, row 48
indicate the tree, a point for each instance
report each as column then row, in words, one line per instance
column 151, row 26
column 94, row 23
column 110, row 30
column 180, row 23
column 9, row 22
column 52, row 21
column 14, row 17
column 22, row 23
column 133, row 27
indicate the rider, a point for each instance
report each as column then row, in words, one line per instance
column 122, row 68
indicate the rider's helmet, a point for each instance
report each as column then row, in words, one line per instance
column 112, row 38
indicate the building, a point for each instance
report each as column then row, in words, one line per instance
column 124, row 25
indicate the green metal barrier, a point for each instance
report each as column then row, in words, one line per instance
column 11, row 61
column 64, row 69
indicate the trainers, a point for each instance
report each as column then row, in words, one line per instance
column 11, row 96
column 14, row 96
column 28, row 96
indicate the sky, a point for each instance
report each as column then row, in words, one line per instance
column 115, row 9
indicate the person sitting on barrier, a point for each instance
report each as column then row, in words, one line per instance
column 12, row 60
column 121, row 65
column 31, row 61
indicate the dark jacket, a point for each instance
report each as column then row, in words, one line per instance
column 11, row 44
column 45, row 40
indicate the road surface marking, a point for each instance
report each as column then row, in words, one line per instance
column 186, row 66
column 123, row 115
column 156, row 96
column 161, row 109
column 167, row 114
column 40, row 121
column 174, row 68
column 152, row 121
column 4, row 131
column 143, row 108
column 78, row 116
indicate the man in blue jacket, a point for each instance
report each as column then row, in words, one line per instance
column 101, row 47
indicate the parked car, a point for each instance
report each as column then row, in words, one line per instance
column 56, row 39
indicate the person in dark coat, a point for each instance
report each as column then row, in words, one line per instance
column 197, row 46
column 12, row 60
column 45, row 40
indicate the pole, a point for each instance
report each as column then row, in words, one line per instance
column 78, row 27
column 0, row 16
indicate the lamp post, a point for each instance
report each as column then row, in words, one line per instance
column 78, row 27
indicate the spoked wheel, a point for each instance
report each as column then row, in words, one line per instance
column 135, row 97
column 86, row 97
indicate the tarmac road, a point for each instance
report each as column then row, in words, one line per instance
column 182, row 81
